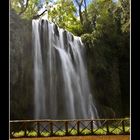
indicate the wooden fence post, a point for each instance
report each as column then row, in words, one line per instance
column 51, row 128
column 78, row 127
column 107, row 127
column 11, row 130
column 25, row 133
column 66, row 127
column 38, row 129
column 123, row 126
column 91, row 125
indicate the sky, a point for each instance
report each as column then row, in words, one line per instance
column 115, row 0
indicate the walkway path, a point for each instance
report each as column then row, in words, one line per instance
column 118, row 137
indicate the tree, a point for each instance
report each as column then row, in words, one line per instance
column 108, row 53
column 25, row 9
column 28, row 9
column 125, row 15
column 79, row 3
column 63, row 14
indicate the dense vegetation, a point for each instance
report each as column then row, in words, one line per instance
column 104, row 28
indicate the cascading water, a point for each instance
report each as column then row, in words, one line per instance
column 61, row 84
column 40, row 109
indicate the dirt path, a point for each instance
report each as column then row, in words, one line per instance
column 121, row 137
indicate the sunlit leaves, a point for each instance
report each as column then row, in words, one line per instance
column 63, row 14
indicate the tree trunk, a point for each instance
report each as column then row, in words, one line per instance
column 80, row 14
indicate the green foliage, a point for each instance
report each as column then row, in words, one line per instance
column 31, row 10
column 108, row 54
column 88, row 39
column 125, row 15
column 63, row 14
column 28, row 10
column 17, row 5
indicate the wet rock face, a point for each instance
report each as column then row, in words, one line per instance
column 56, row 30
column 21, row 66
column 65, row 39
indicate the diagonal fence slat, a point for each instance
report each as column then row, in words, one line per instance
column 72, row 127
column 59, row 127
column 115, row 126
column 101, row 127
column 86, row 126
column 47, row 128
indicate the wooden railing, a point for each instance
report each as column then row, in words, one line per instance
column 47, row 128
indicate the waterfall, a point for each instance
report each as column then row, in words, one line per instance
column 40, row 109
column 61, row 85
